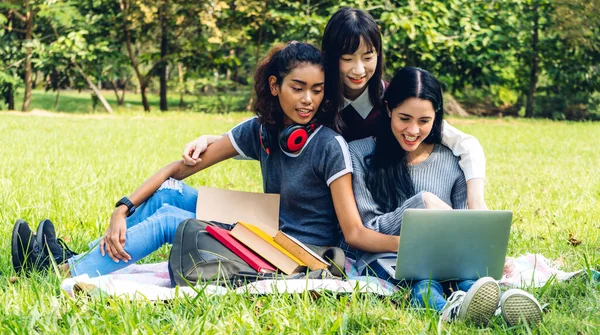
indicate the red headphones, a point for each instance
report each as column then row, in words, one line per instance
column 291, row 139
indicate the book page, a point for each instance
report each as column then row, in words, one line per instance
column 314, row 254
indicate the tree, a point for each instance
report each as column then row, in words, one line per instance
column 10, row 58
column 25, row 12
column 535, row 57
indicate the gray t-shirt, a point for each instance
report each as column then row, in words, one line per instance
column 302, row 179
column 439, row 174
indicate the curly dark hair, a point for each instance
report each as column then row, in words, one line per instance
column 279, row 62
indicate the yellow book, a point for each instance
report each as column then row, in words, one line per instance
column 260, row 233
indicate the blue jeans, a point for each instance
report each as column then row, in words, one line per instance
column 424, row 293
column 153, row 224
column 430, row 293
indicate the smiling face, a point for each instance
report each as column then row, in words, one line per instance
column 411, row 123
column 357, row 69
column 300, row 93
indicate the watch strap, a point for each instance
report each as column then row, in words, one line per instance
column 130, row 206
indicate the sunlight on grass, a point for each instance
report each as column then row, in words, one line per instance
column 73, row 168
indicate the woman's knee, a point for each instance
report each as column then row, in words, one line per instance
column 425, row 287
column 174, row 192
column 170, row 210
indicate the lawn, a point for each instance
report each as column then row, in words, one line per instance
column 72, row 169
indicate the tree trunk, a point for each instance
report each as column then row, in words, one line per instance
column 257, row 54
column 121, row 101
column 236, row 72
column 164, row 29
column 10, row 97
column 145, row 103
column 93, row 87
column 533, row 76
column 181, row 85
column 228, row 71
column 116, row 90
column 28, row 51
column 57, row 100
column 141, row 79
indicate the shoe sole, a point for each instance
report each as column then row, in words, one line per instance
column 40, row 236
column 481, row 302
column 520, row 307
column 17, row 245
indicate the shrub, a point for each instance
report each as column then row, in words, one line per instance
column 593, row 106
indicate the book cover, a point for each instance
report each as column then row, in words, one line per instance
column 255, row 261
column 263, row 248
column 262, row 234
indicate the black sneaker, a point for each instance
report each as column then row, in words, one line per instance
column 54, row 248
column 26, row 252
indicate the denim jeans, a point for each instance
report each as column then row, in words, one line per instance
column 153, row 224
column 424, row 293
column 430, row 293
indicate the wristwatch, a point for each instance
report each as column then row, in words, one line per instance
column 130, row 206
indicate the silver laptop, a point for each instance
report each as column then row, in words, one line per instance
column 450, row 245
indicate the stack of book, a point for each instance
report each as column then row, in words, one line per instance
column 266, row 253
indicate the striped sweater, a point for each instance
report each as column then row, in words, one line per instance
column 439, row 174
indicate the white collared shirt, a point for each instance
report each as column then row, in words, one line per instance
column 362, row 104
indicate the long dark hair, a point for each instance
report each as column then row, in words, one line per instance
column 279, row 62
column 388, row 178
column 342, row 37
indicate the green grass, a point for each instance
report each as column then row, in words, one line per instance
column 72, row 169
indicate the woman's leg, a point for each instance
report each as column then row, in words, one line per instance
column 141, row 240
column 172, row 192
column 428, row 293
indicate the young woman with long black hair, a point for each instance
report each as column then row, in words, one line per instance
column 405, row 166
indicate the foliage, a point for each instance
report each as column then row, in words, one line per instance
column 482, row 45
column 593, row 106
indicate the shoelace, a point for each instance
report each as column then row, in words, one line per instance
column 453, row 297
column 69, row 253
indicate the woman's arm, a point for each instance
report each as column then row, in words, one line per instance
column 114, row 238
column 355, row 233
column 193, row 150
column 472, row 162
column 475, row 194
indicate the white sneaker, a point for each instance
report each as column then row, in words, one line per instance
column 519, row 307
column 481, row 302
column 451, row 310
column 477, row 306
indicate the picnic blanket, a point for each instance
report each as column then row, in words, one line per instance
column 151, row 282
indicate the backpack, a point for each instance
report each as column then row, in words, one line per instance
column 197, row 257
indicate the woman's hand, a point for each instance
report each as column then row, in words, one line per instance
column 192, row 151
column 114, row 238
column 509, row 267
column 433, row 202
